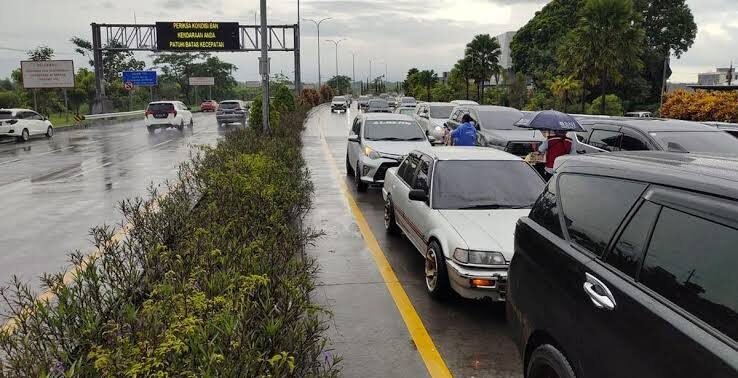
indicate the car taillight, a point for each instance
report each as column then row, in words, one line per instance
column 12, row 121
column 173, row 113
column 147, row 113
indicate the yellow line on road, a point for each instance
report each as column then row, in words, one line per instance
column 430, row 355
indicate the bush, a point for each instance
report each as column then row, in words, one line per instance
column 283, row 100
column 310, row 97
column 211, row 280
column 701, row 106
column 255, row 115
column 326, row 94
column 613, row 106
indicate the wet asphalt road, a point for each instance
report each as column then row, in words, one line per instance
column 470, row 335
column 52, row 191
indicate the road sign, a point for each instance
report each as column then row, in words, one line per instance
column 203, row 36
column 128, row 86
column 202, row 81
column 47, row 74
column 140, row 78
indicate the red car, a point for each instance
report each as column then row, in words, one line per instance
column 209, row 105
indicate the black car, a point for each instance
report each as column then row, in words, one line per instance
column 657, row 134
column 626, row 267
column 496, row 125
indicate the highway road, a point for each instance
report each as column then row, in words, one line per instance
column 368, row 330
column 52, row 191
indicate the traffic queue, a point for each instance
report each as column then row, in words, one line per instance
column 589, row 229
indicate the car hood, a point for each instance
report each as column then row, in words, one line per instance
column 513, row 135
column 397, row 148
column 487, row 230
column 438, row 122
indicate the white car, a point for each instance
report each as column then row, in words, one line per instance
column 22, row 124
column 339, row 103
column 165, row 114
column 432, row 116
column 464, row 102
column 378, row 141
column 458, row 206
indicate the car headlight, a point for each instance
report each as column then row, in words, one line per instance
column 466, row 256
column 371, row 153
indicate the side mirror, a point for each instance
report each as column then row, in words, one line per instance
column 432, row 139
column 418, row 195
column 354, row 138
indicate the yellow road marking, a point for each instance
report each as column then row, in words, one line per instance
column 427, row 349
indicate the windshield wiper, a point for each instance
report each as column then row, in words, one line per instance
column 389, row 138
column 491, row 206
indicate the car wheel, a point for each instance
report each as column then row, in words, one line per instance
column 151, row 129
column 192, row 123
column 548, row 362
column 349, row 169
column 24, row 136
column 181, row 126
column 360, row 185
column 436, row 274
column 390, row 223
column 49, row 132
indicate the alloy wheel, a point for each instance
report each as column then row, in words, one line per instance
column 431, row 269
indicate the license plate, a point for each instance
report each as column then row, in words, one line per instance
column 161, row 115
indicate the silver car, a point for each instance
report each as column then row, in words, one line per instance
column 432, row 117
column 378, row 105
column 378, row 141
column 232, row 111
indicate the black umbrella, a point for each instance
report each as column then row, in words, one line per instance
column 549, row 120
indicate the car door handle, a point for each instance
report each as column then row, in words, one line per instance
column 599, row 293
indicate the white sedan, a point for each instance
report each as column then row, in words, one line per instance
column 21, row 124
column 458, row 206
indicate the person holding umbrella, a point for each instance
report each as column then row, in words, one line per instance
column 558, row 143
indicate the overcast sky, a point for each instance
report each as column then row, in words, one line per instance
column 428, row 34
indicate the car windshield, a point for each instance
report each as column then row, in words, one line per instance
column 229, row 105
column 363, row 98
column 499, row 120
column 392, row 129
column 712, row 142
column 408, row 111
column 441, row 111
column 407, row 100
column 339, row 98
column 485, row 184
column 6, row 115
column 161, row 107
column 378, row 104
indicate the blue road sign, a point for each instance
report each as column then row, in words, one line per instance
column 140, row 78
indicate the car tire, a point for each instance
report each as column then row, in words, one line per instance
column 361, row 186
column 192, row 123
column 349, row 169
column 548, row 362
column 390, row 223
column 49, row 132
column 181, row 126
column 24, row 136
column 436, row 273
column 151, row 129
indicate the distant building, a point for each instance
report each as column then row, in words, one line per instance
column 444, row 77
column 720, row 77
column 504, row 40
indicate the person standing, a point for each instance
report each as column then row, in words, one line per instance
column 557, row 144
column 466, row 133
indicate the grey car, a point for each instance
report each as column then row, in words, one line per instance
column 232, row 111
column 378, row 105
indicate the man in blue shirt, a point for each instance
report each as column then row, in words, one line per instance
column 466, row 133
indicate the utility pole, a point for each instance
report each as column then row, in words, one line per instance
column 370, row 72
column 663, row 79
column 317, row 25
column 353, row 71
column 336, row 42
column 264, row 69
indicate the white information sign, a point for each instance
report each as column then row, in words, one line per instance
column 202, row 81
column 48, row 74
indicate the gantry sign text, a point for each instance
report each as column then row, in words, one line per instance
column 207, row 36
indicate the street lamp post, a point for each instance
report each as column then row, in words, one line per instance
column 317, row 25
column 336, row 42
column 353, row 71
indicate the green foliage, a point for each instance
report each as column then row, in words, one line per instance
column 42, row 52
column 497, row 96
column 443, row 93
column 284, row 101
column 411, row 81
column 483, row 53
column 340, row 84
column 221, row 289
column 255, row 116
column 463, row 72
column 562, row 87
column 178, row 67
column 517, row 90
column 9, row 99
column 669, row 25
column 613, row 106
column 540, row 100
column 310, row 97
column 426, row 79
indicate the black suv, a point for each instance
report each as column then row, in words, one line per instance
column 627, row 267
column 659, row 134
column 496, row 125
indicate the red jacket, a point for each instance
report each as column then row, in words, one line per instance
column 557, row 146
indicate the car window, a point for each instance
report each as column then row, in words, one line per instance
column 35, row 116
column 633, row 142
column 393, row 130
column 606, row 139
column 161, row 107
column 692, row 262
column 441, row 111
column 499, row 119
column 5, row 114
column 626, row 255
column 423, row 176
column 697, row 141
column 408, row 175
column 356, row 129
column 594, row 207
column 545, row 211
column 229, row 105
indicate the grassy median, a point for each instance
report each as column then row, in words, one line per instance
column 211, row 279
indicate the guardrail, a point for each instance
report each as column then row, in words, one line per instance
column 113, row 115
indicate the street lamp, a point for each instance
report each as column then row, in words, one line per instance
column 336, row 42
column 317, row 25
column 353, row 71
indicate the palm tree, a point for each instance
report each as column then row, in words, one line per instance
column 464, row 67
column 561, row 86
column 427, row 78
column 606, row 41
column 484, row 53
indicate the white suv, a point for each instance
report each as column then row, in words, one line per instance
column 164, row 114
column 21, row 124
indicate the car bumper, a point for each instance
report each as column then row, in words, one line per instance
column 372, row 171
column 162, row 122
column 461, row 278
column 338, row 107
column 229, row 118
column 9, row 132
